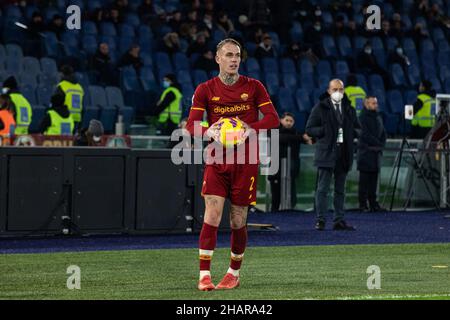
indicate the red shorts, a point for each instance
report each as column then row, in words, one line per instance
column 236, row 182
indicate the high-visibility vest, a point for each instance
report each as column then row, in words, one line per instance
column 23, row 113
column 60, row 126
column 173, row 111
column 8, row 123
column 424, row 117
column 356, row 96
column 74, row 98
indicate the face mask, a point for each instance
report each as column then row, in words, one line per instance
column 399, row 50
column 318, row 28
column 5, row 90
column 166, row 84
column 368, row 50
column 337, row 96
column 318, row 13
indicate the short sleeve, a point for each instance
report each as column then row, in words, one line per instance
column 200, row 99
column 262, row 97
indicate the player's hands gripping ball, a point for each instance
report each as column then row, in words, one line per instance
column 232, row 131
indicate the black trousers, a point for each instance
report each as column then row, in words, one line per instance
column 368, row 188
column 275, row 188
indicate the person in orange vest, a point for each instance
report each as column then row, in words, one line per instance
column 7, row 122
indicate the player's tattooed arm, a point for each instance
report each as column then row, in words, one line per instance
column 238, row 216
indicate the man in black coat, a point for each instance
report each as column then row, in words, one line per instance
column 333, row 125
column 373, row 135
column 289, row 137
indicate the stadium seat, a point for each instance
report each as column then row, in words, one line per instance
column 443, row 45
column 329, row 46
column 13, row 50
column 13, row 11
column 98, row 96
column 345, row 46
column 28, row 91
column 324, row 68
column 391, row 43
column 108, row 29
column 380, row 56
column 391, row 123
column 377, row 43
column 303, row 102
column 181, row 62
column 436, row 83
column 361, row 80
column 324, row 80
column 89, row 44
column 395, row 100
column 115, row 99
column 306, row 67
column 127, row 30
column 89, row 112
column 162, row 61
column 71, row 44
column 444, row 73
column 443, row 58
column 296, row 32
column 272, row 83
column 286, row 100
column 251, row 48
column 376, row 82
column 269, row 65
column 413, row 57
column 413, row 75
column 287, row 65
column 358, row 43
column 342, row 68
column 28, row 79
column 44, row 94
column 48, row 66
column 398, row 77
column 447, row 85
column 132, row 19
column 39, row 112
column 199, row 76
column 31, row 65
column 125, row 44
column 184, row 77
column 410, row 96
column 289, row 80
column 148, row 80
column 13, row 65
column 426, row 45
column 307, row 82
column 408, row 44
column 252, row 65
column 110, row 41
column 315, row 96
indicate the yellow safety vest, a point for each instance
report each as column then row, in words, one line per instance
column 356, row 96
column 173, row 111
column 423, row 118
column 23, row 113
column 74, row 98
column 60, row 126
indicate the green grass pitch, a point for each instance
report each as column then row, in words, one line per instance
column 408, row 271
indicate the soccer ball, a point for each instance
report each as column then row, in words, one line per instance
column 231, row 131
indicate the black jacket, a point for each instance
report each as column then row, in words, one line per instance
column 373, row 134
column 323, row 127
column 46, row 121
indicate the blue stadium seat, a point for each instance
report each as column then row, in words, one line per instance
column 361, row 80
column 13, row 11
column 110, row 41
column 2, row 51
column 444, row 73
column 92, row 5
column 108, row 29
column 286, row 100
column 199, row 76
column 438, row 34
column 376, row 82
column 426, row 45
column 89, row 28
column 358, row 43
column 44, row 94
column 252, row 65
column 107, row 112
column 398, row 77
column 28, row 79
column 48, row 79
column 410, row 96
column 287, row 65
column 148, row 81
column 251, row 48
column 89, row 44
column 395, row 100
column 289, row 80
column 381, row 97
column 89, row 112
column 324, row 68
column 71, row 43
column 269, row 65
column 443, row 58
column 28, row 91
column 303, row 102
column 329, row 46
column 413, row 57
column 377, row 43
column 48, row 66
column 296, row 32
column 98, row 96
column 162, row 61
column 127, row 30
column 50, row 12
column 115, row 98
column 413, row 75
column 129, row 79
column 13, row 65
column 341, row 67
column 300, row 120
column 436, row 83
column 31, row 65
column 306, row 67
column 380, row 56
column 443, row 45
column 181, row 62
column 327, row 18
column 447, row 85
column 125, row 44
column 324, row 80
column 184, row 77
column 14, row 50
column 272, row 82
column 307, row 82
column 391, row 43
column 275, row 39
column 315, row 95
column 147, row 59
column 345, row 46
column 132, row 19
column 408, row 44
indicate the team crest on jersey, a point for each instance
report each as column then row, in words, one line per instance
column 244, row 96
column 215, row 98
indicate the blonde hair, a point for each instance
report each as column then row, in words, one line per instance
column 225, row 41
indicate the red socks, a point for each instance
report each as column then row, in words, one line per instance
column 238, row 244
column 207, row 244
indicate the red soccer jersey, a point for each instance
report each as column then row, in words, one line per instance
column 243, row 99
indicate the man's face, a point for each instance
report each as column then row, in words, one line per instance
column 335, row 86
column 104, row 48
column 287, row 122
column 135, row 51
column 228, row 58
column 371, row 104
column 267, row 41
column 209, row 55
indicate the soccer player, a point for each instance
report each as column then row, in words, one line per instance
column 228, row 95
